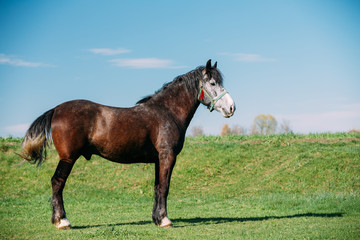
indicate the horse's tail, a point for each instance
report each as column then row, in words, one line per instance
column 37, row 138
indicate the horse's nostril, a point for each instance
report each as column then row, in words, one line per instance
column 231, row 108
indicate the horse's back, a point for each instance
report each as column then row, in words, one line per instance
column 78, row 114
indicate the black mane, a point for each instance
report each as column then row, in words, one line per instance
column 191, row 80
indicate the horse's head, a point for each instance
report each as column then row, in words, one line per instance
column 212, row 93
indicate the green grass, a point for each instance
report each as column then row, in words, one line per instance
column 235, row 187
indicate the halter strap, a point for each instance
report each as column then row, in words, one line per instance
column 213, row 100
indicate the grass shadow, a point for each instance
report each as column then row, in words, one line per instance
column 112, row 224
column 217, row 220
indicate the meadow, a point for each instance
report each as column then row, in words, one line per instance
column 234, row 187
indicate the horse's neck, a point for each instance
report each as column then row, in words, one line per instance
column 181, row 103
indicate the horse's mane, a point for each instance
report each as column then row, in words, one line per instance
column 191, row 80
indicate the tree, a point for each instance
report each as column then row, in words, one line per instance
column 285, row 127
column 237, row 130
column 225, row 130
column 354, row 130
column 197, row 131
column 264, row 125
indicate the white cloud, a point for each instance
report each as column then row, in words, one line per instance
column 109, row 51
column 248, row 57
column 21, row 63
column 134, row 62
column 15, row 129
column 144, row 63
column 343, row 120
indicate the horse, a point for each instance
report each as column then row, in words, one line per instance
column 152, row 131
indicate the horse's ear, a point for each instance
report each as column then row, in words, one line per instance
column 215, row 65
column 208, row 65
column 207, row 68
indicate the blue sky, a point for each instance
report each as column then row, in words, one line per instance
column 296, row 60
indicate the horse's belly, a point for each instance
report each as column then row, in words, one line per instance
column 131, row 158
column 130, row 153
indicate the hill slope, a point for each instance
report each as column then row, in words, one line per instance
column 253, row 187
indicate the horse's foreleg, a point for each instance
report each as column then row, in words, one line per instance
column 58, row 183
column 163, row 170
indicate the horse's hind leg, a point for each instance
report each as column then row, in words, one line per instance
column 58, row 183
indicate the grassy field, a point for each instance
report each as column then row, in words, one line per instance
column 234, row 187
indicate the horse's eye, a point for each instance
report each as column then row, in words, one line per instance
column 212, row 83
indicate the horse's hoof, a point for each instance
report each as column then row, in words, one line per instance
column 165, row 223
column 64, row 224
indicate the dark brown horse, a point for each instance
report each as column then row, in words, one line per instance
column 153, row 131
